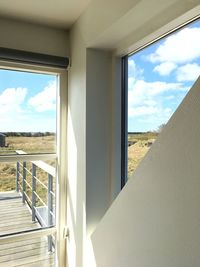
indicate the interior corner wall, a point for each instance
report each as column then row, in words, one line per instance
column 33, row 38
column 90, row 114
column 76, row 127
column 154, row 221
column 98, row 135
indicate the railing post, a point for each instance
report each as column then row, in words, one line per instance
column 24, row 182
column 50, row 208
column 17, row 177
column 33, row 191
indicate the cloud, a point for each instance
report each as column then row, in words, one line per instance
column 170, row 97
column 143, row 110
column 150, row 122
column 11, row 108
column 165, row 68
column 11, row 100
column 134, row 73
column 146, row 98
column 133, row 70
column 45, row 100
column 143, row 90
column 179, row 48
column 188, row 72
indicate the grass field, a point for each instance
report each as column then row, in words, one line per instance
column 41, row 144
column 44, row 144
column 136, row 151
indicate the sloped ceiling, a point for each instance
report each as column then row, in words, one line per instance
column 54, row 13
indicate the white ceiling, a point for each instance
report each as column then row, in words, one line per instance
column 54, row 13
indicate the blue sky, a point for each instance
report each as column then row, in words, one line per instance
column 160, row 77
column 27, row 102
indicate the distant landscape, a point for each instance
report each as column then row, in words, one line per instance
column 139, row 144
column 29, row 143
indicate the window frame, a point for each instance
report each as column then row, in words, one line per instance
column 124, row 119
column 147, row 41
column 60, row 155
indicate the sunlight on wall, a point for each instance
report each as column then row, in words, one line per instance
column 72, row 167
column 72, row 193
column 90, row 258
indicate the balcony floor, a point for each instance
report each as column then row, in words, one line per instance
column 15, row 217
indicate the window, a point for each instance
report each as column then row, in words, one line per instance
column 155, row 81
column 32, row 112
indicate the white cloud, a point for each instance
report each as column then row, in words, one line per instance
column 11, row 108
column 134, row 73
column 170, row 97
column 11, row 100
column 181, row 47
column 144, row 91
column 165, row 68
column 145, row 98
column 143, row 110
column 188, row 72
column 45, row 100
column 152, row 121
column 133, row 70
column 131, row 82
column 156, row 88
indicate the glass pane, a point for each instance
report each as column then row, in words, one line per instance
column 159, row 78
column 33, row 252
column 27, row 195
column 7, row 177
column 27, row 112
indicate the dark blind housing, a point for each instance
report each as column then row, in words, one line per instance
column 33, row 58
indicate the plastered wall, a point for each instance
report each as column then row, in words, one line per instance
column 98, row 139
column 89, row 144
column 34, row 38
column 94, row 109
column 155, row 219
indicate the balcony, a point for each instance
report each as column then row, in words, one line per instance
column 25, row 209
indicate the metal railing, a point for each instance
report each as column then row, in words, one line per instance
column 42, row 212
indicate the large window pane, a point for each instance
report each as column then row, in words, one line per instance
column 27, row 195
column 27, row 112
column 27, row 182
column 31, row 252
column 159, row 78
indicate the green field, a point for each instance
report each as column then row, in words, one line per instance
column 42, row 144
column 136, row 151
column 46, row 144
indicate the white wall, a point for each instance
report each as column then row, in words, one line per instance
column 102, row 26
column 89, row 144
column 155, row 219
column 34, row 38
column 121, row 24
column 76, row 207
column 98, row 138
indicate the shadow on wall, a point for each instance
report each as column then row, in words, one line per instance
column 155, row 219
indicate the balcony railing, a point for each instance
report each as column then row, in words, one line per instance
column 42, row 212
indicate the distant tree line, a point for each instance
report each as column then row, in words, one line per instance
column 28, row 134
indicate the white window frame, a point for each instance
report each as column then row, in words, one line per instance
column 61, row 156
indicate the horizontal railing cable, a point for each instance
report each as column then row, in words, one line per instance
column 35, row 201
column 41, row 182
column 28, row 184
column 40, row 198
column 28, row 198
